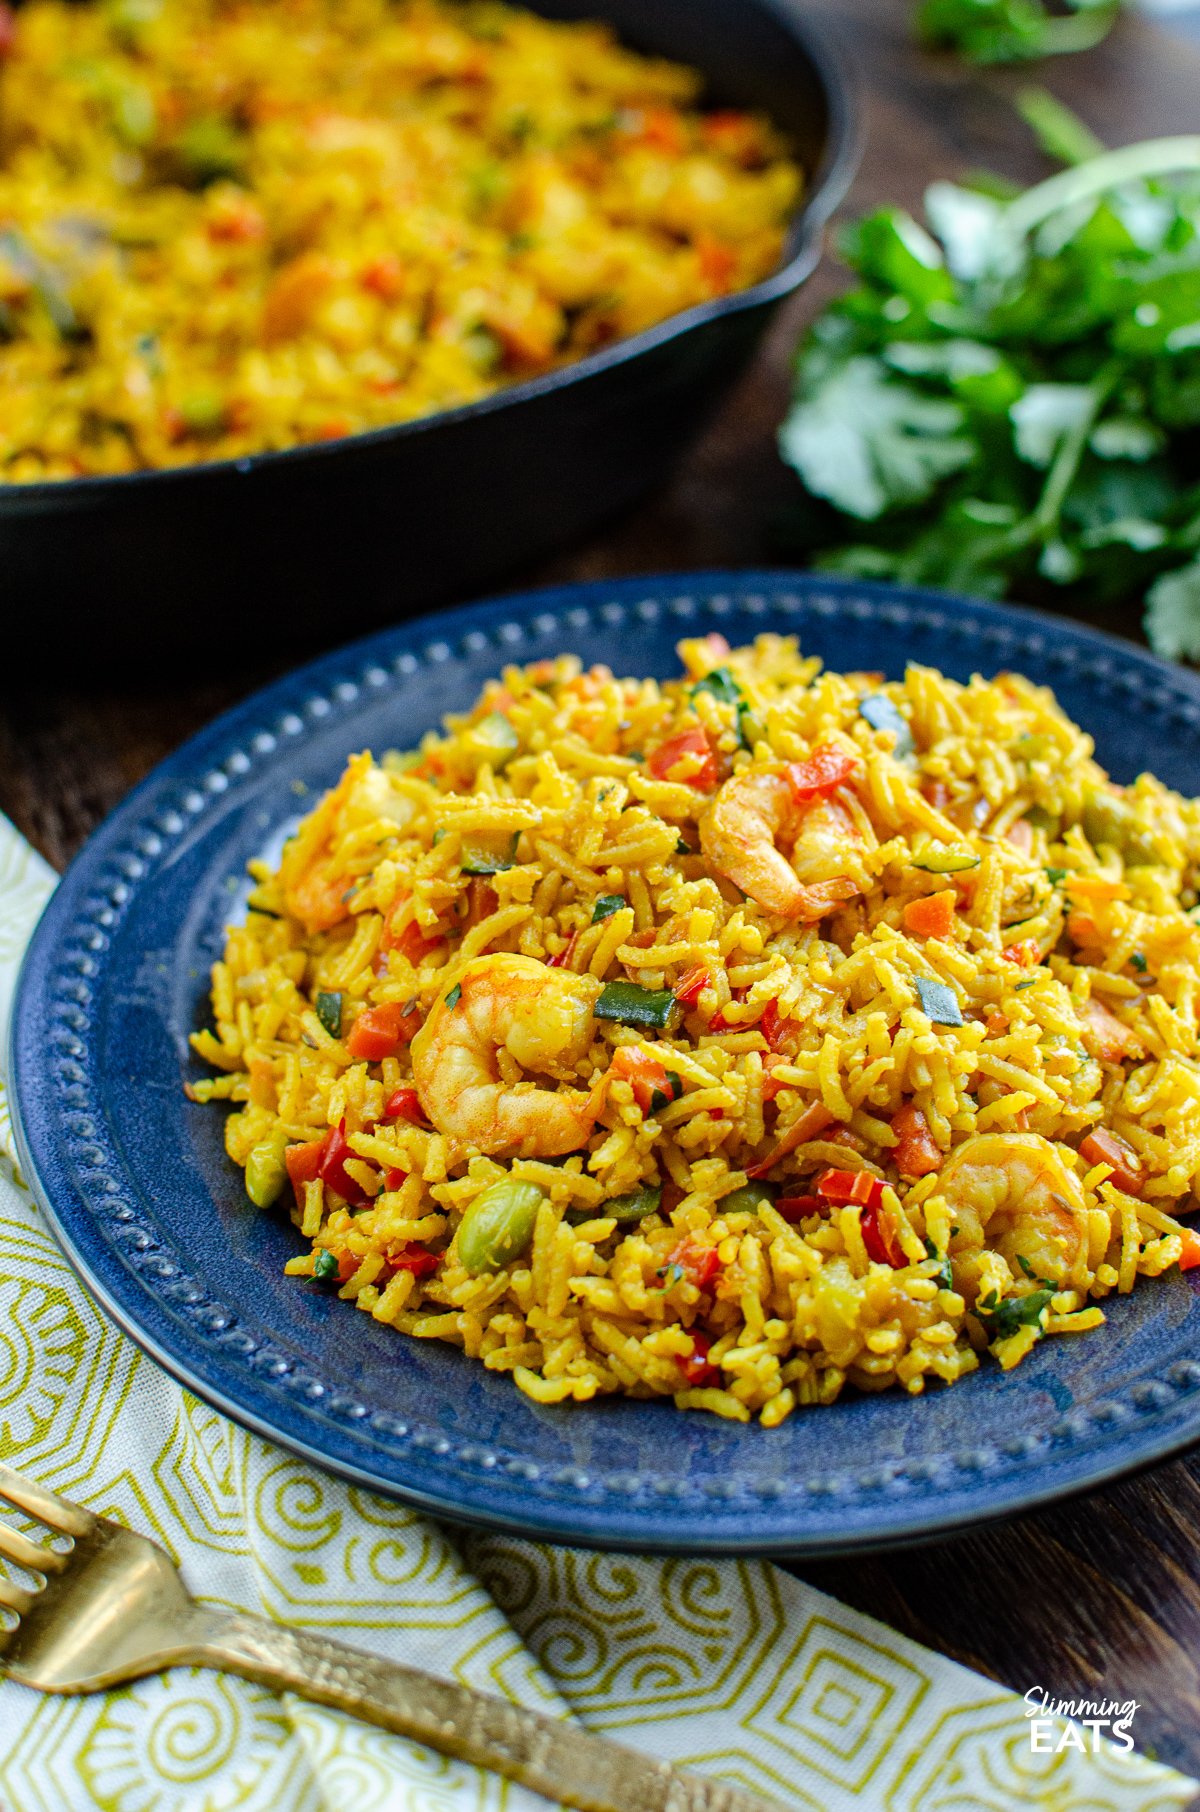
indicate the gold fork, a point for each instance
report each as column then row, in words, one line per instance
column 112, row 1607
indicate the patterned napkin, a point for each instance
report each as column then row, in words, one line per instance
column 730, row 1667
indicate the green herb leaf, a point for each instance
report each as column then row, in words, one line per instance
column 454, row 996
column 943, row 1276
column 939, row 1002
column 329, row 1012
column 682, row 848
column 606, row 905
column 1055, row 875
column 1014, row 31
column 1003, row 1316
column 721, row 683
column 325, row 1267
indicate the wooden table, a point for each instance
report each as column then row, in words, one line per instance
column 1099, row 1598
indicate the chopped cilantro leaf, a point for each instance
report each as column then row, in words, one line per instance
column 454, row 996
column 606, row 904
column 1003, row 1316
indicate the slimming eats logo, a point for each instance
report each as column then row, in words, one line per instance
column 1110, row 1718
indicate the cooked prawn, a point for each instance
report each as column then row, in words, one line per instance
column 741, row 832
column 315, row 880
column 1015, row 1193
column 543, row 1018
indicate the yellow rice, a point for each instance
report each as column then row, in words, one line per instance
column 1070, row 959
column 228, row 226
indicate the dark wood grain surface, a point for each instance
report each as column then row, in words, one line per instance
column 1099, row 1597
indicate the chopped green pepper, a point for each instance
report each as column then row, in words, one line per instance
column 942, row 860
column 492, row 739
column 634, row 1006
column 746, row 1200
column 624, row 1209
column 266, row 1171
column 329, row 1012
column 882, row 714
column 487, row 862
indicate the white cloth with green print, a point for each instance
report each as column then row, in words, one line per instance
column 730, row 1667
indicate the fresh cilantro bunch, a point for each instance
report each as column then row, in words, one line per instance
column 1010, row 402
column 1009, row 31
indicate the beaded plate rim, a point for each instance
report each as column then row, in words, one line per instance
column 70, row 1161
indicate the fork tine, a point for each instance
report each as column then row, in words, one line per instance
column 54, row 1511
column 13, row 1598
column 26, row 1553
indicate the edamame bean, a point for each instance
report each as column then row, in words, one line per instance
column 266, row 1172
column 498, row 1226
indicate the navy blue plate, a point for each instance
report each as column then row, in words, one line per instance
column 136, row 1184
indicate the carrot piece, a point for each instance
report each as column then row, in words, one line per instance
column 918, row 1153
column 1104, row 1147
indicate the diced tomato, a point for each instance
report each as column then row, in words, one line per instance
column 690, row 987
column 1026, row 954
column 700, row 1264
column 404, row 1104
column 383, row 277
column 918, row 1153
column 347, row 1265
column 717, row 262
column 1189, row 1257
column 394, row 1179
column 932, row 916
column 691, row 745
column 1104, row 1147
column 564, row 956
column 380, row 1032
column 815, row 1118
column 826, row 769
column 417, row 1259
column 652, row 1086
column 796, row 1208
column 1104, row 1034
column 333, row 1171
column 844, row 1186
column 304, row 1165
column 334, row 427
column 772, row 1025
column 877, row 1239
column 772, row 1086
column 697, row 1370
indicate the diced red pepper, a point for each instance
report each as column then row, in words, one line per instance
column 700, row 1264
column 918, row 1154
column 8, row 31
column 932, row 915
column 404, row 1104
column 394, row 1178
column 381, row 1032
column 1189, row 1257
column 826, row 769
column 1104, row 1147
column 690, row 986
column 844, row 1186
column 564, row 956
column 719, row 1023
column 347, row 1265
column 413, row 942
column 333, row 1167
column 1025, row 954
column 1105, row 1036
column 698, row 1372
column 772, row 1025
column 383, row 277
column 877, row 1239
column 717, row 262
column 652, row 1086
column 662, row 128
column 415, row 1258
column 691, row 742
column 796, row 1208
column 304, row 1165
column 815, row 1118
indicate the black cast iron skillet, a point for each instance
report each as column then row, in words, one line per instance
column 319, row 542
